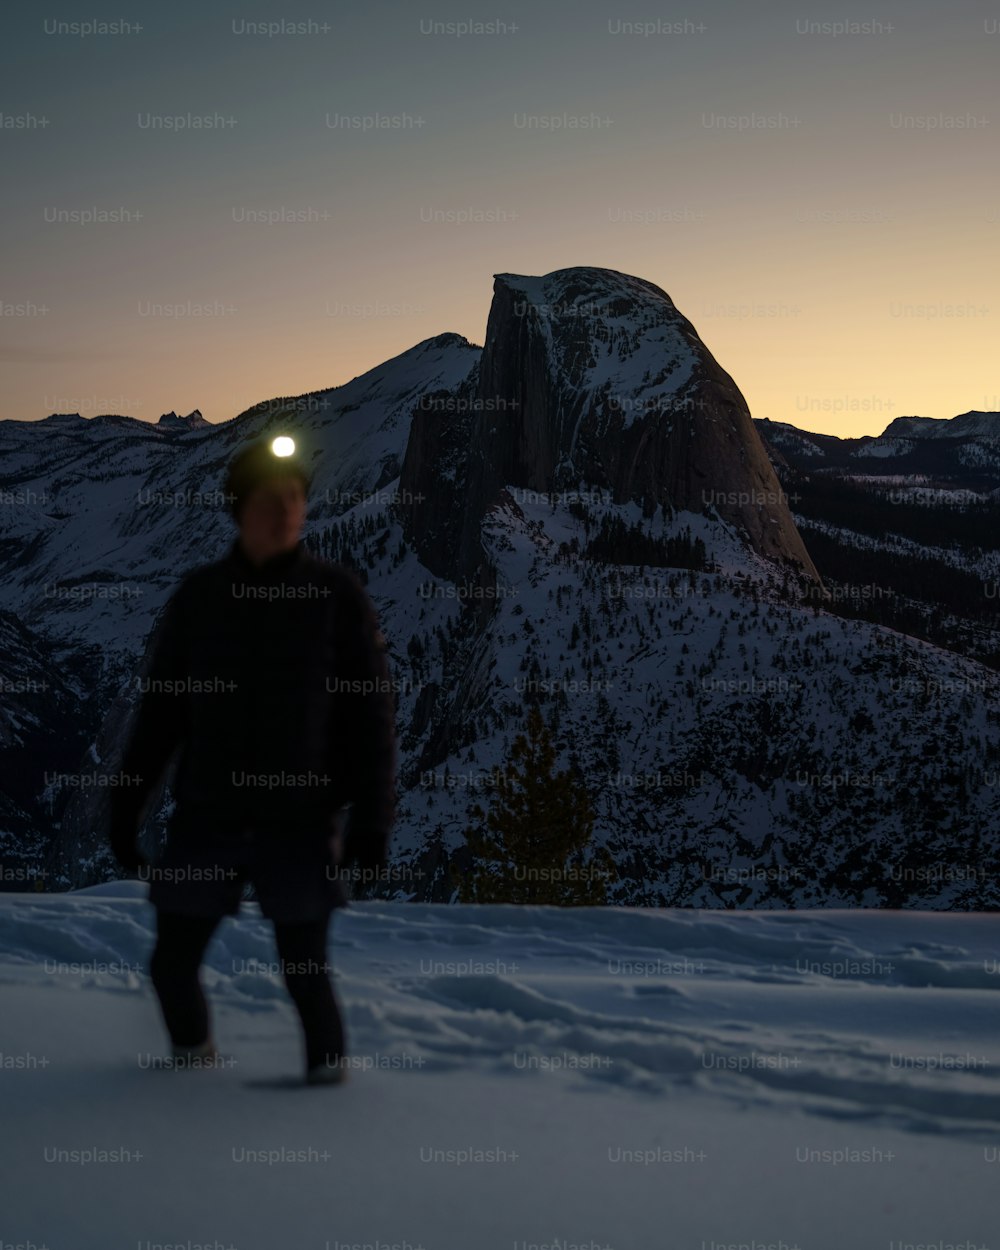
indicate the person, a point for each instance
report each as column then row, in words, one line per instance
column 268, row 673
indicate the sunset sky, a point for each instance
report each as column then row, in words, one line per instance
column 822, row 205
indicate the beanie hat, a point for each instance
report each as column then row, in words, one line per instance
column 258, row 463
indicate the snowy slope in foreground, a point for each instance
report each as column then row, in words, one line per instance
column 725, row 1050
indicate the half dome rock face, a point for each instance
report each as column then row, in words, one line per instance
column 591, row 375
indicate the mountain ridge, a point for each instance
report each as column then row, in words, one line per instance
column 521, row 554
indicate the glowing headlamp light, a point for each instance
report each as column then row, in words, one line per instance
column 283, row 445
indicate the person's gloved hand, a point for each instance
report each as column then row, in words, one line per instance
column 366, row 853
column 123, row 845
column 131, row 859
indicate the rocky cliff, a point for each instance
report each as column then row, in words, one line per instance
column 592, row 378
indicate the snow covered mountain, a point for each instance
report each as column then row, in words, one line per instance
column 915, row 512
column 608, row 384
column 580, row 514
column 193, row 421
column 967, row 425
column 959, row 454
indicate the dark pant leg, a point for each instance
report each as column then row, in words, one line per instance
column 180, row 946
column 302, row 951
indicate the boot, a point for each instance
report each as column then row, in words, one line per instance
column 326, row 1074
column 204, row 1055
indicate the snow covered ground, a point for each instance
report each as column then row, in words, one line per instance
column 594, row 1077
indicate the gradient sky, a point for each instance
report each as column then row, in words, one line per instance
column 841, row 262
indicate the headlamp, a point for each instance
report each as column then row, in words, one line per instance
column 260, row 461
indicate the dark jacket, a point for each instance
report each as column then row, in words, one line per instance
column 273, row 681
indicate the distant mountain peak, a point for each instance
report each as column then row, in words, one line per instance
column 448, row 338
column 193, row 421
column 972, row 424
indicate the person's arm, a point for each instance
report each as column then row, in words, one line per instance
column 158, row 727
column 363, row 729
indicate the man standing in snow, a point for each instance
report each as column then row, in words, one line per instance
column 269, row 673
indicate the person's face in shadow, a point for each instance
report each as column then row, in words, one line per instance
column 272, row 517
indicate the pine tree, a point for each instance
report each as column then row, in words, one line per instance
column 530, row 847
